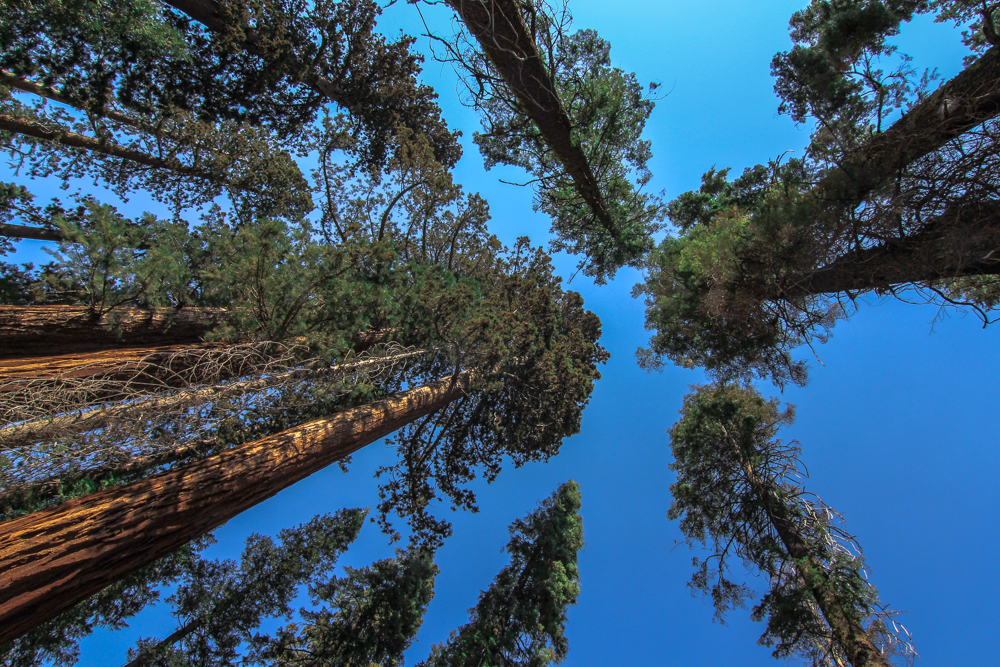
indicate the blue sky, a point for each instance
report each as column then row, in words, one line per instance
column 896, row 426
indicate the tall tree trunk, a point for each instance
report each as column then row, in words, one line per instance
column 847, row 631
column 500, row 30
column 71, row 382
column 964, row 102
column 41, row 331
column 960, row 243
column 68, row 425
column 53, row 559
column 29, row 331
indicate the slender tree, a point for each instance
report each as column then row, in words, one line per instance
column 739, row 490
column 552, row 103
column 373, row 615
column 521, row 618
column 222, row 603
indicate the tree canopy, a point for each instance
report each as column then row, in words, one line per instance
column 768, row 261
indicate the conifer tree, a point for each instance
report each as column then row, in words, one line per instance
column 770, row 260
column 521, row 618
column 552, row 103
column 373, row 615
column 532, row 353
column 222, row 603
column 739, row 491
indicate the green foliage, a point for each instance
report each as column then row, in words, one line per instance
column 607, row 110
column 535, row 352
column 715, row 294
column 108, row 261
column 831, row 66
column 221, row 603
column 739, row 491
column 520, row 619
column 153, row 61
column 373, row 616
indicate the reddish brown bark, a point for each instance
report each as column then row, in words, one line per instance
column 500, row 30
column 53, row 559
column 118, row 374
column 74, row 422
column 29, row 331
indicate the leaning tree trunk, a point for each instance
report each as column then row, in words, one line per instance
column 74, row 422
column 963, row 103
column 37, row 386
column 500, row 30
column 961, row 243
column 53, row 559
column 28, row 331
column 847, row 631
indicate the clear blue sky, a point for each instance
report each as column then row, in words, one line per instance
column 896, row 427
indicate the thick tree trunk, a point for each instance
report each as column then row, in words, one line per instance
column 71, row 424
column 500, row 30
column 53, row 559
column 961, row 243
column 40, row 331
column 35, row 387
column 26, row 232
column 964, row 102
column 29, row 331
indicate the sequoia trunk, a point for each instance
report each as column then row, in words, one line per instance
column 29, row 331
column 73, row 423
column 53, row 559
column 961, row 104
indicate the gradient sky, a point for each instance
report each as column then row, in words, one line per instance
column 895, row 426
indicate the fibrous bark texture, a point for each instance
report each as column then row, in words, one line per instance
column 500, row 30
column 53, row 559
column 30, row 331
column 960, row 243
